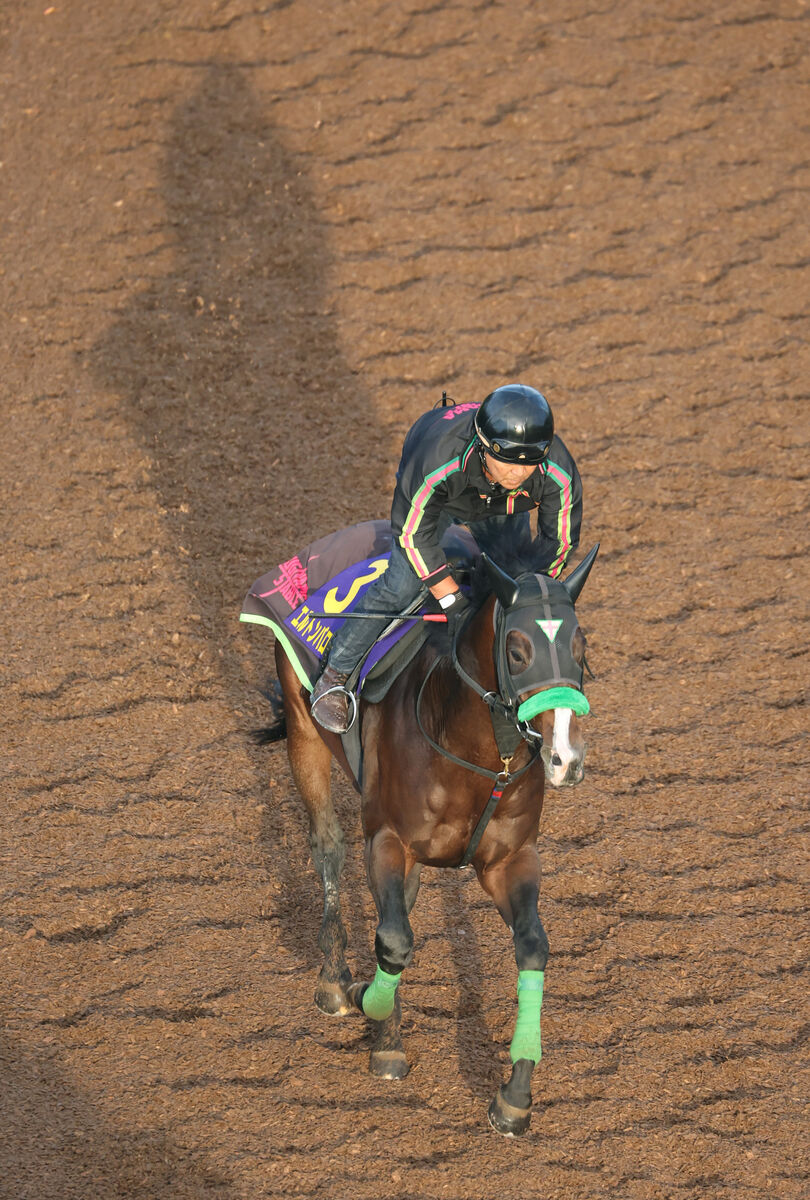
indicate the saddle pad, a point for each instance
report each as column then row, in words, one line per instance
column 329, row 576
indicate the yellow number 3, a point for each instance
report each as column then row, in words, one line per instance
column 334, row 604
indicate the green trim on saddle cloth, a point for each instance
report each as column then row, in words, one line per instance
column 254, row 619
column 379, row 997
column 556, row 697
column 526, row 1041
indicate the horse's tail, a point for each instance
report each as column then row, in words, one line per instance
column 276, row 732
column 269, row 733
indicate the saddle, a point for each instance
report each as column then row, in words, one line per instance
column 303, row 601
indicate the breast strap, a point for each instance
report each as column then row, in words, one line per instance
column 507, row 738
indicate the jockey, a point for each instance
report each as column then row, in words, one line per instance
column 481, row 466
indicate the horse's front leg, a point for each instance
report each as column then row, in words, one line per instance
column 515, row 889
column 394, row 894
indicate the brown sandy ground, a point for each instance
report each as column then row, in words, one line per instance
column 244, row 244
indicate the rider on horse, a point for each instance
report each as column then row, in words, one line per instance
column 480, row 466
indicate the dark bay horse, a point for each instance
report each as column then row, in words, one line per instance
column 455, row 758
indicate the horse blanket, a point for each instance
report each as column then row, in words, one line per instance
column 328, row 577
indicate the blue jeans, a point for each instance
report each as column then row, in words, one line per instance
column 399, row 586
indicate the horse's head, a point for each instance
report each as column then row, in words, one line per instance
column 539, row 653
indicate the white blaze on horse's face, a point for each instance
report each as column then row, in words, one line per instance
column 563, row 751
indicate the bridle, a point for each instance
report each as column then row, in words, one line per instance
column 507, row 729
column 510, row 718
column 508, row 735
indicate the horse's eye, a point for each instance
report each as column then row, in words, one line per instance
column 519, row 651
column 578, row 645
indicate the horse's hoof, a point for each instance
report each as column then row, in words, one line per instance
column 354, row 995
column 506, row 1119
column 388, row 1064
column 331, row 999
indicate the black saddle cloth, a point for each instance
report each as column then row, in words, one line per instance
column 328, row 577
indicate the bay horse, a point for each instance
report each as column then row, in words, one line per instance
column 505, row 689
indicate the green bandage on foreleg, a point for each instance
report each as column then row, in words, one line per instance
column 526, row 1042
column 378, row 998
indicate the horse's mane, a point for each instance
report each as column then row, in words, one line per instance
column 518, row 554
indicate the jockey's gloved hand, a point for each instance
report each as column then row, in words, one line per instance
column 455, row 606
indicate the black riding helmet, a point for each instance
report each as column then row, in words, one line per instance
column 515, row 424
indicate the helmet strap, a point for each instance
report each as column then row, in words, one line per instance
column 488, row 480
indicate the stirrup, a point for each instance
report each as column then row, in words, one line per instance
column 349, row 696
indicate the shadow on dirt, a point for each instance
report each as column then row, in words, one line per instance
column 57, row 1146
column 477, row 1054
column 232, row 375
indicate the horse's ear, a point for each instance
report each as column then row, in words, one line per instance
column 503, row 585
column 576, row 580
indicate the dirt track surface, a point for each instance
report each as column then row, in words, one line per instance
column 243, row 247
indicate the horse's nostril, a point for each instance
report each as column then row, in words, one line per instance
column 556, row 761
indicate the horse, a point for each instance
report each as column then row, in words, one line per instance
column 504, row 688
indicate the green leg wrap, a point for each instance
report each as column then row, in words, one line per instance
column 378, row 999
column 526, row 1042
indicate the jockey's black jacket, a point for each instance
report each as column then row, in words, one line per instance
column 441, row 472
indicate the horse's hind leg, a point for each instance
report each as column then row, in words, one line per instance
column 310, row 763
column 388, row 1059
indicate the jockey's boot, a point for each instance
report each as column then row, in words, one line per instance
column 329, row 702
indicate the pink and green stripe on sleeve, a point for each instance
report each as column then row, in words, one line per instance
column 416, row 512
column 563, row 481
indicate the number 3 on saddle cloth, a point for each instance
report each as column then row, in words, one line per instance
column 328, row 577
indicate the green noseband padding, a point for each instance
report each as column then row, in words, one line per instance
column 558, row 697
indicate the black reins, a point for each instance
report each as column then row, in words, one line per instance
column 508, row 733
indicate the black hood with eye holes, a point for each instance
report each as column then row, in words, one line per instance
column 543, row 611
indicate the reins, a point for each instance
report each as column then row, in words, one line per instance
column 507, row 733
